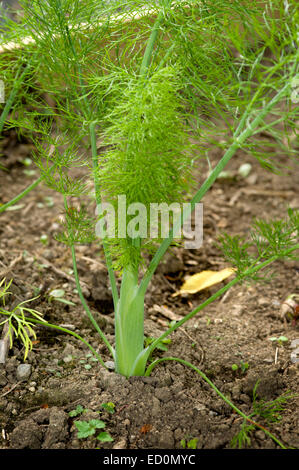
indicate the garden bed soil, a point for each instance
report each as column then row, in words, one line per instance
column 175, row 403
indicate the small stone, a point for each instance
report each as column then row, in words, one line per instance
column 49, row 254
column 262, row 302
column 3, row 380
column 199, row 407
column 110, row 365
column 235, row 391
column 163, row 394
column 252, row 179
column 245, row 398
column 166, row 441
column 122, row 444
column 68, row 359
column 260, row 435
column 31, row 389
column 23, row 372
column 156, row 410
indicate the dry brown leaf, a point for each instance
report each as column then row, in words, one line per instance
column 205, row 279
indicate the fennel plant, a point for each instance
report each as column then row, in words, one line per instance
column 132, row 83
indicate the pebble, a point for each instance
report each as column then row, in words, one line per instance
column 262, row 302
column 3, row 380
column 110, row 365
column 156, row 410
column 31, row 389
column 235, row 391
column 122, row 444
column 67, row 359
column 245, row 398
column 49, row 254
column 23, row 372
column 260, row 435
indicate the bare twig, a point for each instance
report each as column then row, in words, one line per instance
column 11, row 389
column 166, row 312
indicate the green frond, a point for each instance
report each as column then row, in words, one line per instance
column 242, row 438
column 268, row 238
column 148, row 157
column 18, row 324
column 79, row 228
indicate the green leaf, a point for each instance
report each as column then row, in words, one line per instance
column 64, row 301
column 88, row 428
column 57, row 293
column 97, row 423
column 84, row 429
column 105, row 437
column 192, row 444
column 109, row 407
column 77, row 411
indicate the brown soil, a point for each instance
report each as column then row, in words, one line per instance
column 174, row 403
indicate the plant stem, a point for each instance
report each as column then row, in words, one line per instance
column 24, row 193
column 129, row 324
column 26, row 190
column 238, row 142
column 80, row 293
column 95, row 165
column 151, row 43
column 188, row 364
column 8, row 105
column 85, row 306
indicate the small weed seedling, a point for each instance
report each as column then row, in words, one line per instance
column 19, row 325
column 145, row 89
column 110, row 407
column 244, row 366
column 89, row 428
column 89, row 362
column 58, row 295
column 269, row 411
column 280, row 340
column 78, row 411
column 191, row 444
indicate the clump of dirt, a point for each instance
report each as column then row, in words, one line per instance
column 174, row 403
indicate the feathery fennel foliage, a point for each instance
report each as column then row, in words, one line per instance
column 135, row 81
column 269, row 411
column 17, row 321
column 149, row 158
